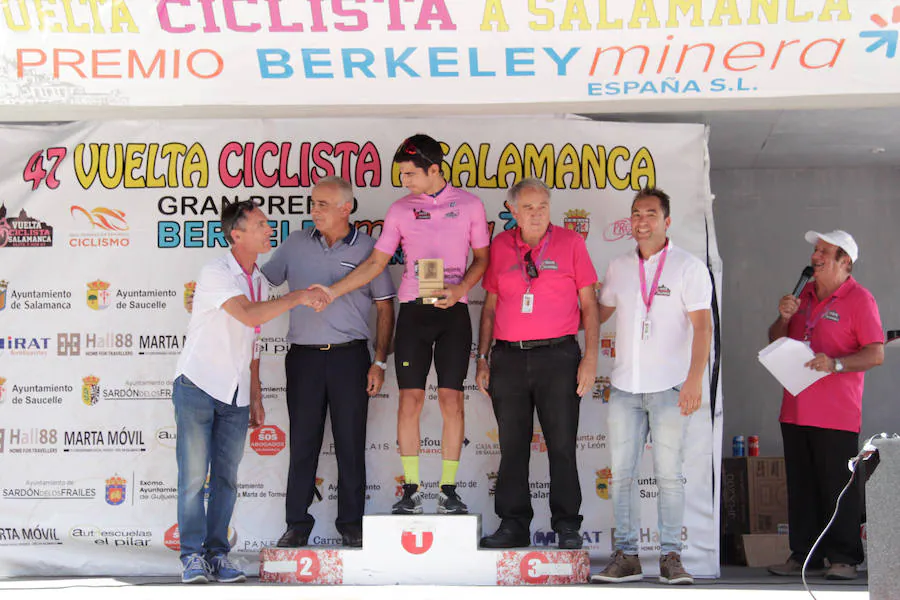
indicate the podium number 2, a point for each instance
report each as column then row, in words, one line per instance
column 306, row 564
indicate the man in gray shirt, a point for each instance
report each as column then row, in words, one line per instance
column 328, row 364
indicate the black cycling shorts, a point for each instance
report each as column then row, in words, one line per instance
column 423, row 329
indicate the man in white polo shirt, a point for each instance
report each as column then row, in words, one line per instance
column 217, row 391
column 661, row 295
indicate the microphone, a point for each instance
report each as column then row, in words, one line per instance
column 804, row 279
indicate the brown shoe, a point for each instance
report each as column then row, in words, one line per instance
column 841, row 572
column 793, row 568
column 621, row 569
column 672, row 571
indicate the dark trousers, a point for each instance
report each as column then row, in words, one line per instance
column 522, row 381
column 318, row 380
column 815, row 460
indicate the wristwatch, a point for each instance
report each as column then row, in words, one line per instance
column 381, row 364
column 838, row 365
column 480, row 356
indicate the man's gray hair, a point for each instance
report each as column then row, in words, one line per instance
column 529, row 183
column 340, row 183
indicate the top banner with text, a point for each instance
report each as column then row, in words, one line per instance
column 320, row 53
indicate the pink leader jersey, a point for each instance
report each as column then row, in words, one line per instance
column 840, row 325
column 564, row 267
column 443, row 226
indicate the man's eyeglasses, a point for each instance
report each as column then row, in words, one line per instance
column 530, row 267
column 409, row 148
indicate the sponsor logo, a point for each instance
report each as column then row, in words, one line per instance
column 663, row 291
column 104, row 440
column 832, row 315
column 268, row 440
column 108, row 228
column 115, row 490
column 429, row 445
column 273, row 345
column 618, row 230
column 98, row 295
column 398, row 491
column 608, row 345
column 539, row 489
column 115, row 537
column 43, row 489
column 577, row 220
column 189, row 288
column 491, row 447
column 601, row 483
column 29, row 536
column 14, row 440
column 90, row 390
column 416, row 541
column 155, row 490
column 110, row 343
column 23, row 231
column 34, row 299
column 602, row 389
column 538, row 442
column 453, row 214
column 172, row 539
column 23, row 394
column 421, row 214
column 166, row 437
column 24, row 346
column 161, row 344
column 492, row 478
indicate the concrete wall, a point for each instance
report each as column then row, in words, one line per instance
column 761, row 216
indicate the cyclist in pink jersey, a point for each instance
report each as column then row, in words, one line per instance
column 435, row 220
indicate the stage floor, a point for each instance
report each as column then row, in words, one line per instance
column 736, row 582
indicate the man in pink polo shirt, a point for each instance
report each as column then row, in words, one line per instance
column 435, row 220
column 839, row 320
column 540, row 284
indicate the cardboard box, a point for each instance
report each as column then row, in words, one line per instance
column 754, row 495
column 764, row 549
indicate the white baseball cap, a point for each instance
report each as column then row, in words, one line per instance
column 839, row 238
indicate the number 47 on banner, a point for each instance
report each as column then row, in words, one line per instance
column 34, row 170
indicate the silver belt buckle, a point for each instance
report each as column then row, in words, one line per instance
column 522, row 345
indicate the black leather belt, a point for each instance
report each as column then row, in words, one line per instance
column 529, row 344
column 330, row 346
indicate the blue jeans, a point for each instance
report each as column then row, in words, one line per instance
column 631, row 416
column 210, row 439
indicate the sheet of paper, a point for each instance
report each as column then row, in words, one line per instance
column 784, row 358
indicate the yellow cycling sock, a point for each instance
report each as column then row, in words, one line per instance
column 410, row 468
column 448, row 472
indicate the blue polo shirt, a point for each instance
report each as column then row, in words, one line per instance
column 304, row 259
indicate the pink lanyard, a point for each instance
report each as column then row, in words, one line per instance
column 648, row 300
column 811, row 323
column 258, row 296
column 537, row 260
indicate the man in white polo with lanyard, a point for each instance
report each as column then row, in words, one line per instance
column 217, row 392
column 540, row 285
column 328, row 366
column 435, row 220
column 661, row 296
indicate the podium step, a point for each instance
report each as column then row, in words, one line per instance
column 423, row 550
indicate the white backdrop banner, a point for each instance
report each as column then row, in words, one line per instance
column 319, row 53
column 103, row 230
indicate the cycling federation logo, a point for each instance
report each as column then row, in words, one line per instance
column 577, row 220
column 108, row 228
column 115, row 490
column 3, row 286
column 98, row 295
column 23, row 231
column 90, row 390
column 189, row 289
